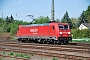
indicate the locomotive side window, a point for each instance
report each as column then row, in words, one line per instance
column 53, row 27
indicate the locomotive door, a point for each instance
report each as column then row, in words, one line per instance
column 52, row 31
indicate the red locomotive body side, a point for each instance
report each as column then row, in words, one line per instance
column 50, row 32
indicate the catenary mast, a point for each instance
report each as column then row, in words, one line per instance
column 52, row 11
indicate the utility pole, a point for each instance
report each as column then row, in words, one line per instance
column 52, row 11
column 2, row 15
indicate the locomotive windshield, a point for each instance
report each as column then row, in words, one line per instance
column 63, row 26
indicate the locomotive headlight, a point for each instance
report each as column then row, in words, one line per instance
column 68, row 32
column 60, row 32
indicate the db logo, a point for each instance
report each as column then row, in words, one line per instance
column 34, row 30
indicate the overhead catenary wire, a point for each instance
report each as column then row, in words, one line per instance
column 11, row 7
column 41, row 12
column 50, row 11
column 24, row 4
column 19, row 6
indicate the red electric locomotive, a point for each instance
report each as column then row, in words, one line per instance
column 45, row 33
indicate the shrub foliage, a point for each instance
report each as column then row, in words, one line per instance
column 76, row 33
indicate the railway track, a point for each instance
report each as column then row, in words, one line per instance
column 60, row 54
column 80, row 44
column 71, row 43
column 52, row 47
column 61, row 51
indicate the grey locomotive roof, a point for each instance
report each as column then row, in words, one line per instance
column 47, row 24
column 86, row 24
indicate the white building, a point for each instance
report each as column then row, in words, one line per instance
column 84, row 26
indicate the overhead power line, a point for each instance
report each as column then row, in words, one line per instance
column 22, row 4
column 49, row 11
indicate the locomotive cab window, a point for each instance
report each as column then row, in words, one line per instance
column 53, row 27
column 65, row 26
column 61, row 27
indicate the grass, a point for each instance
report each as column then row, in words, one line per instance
column 27, row 56
column 11, row 53
column 3, row 52
column 0, row 58
column 13, row 38
column 23, row 55
column 16, row 54
column 54, row 58
column 87, row 40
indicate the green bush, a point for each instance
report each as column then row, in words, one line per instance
column 10, row 27
column 3, row 52
column 0, row 58
column 85, row 33
column 11, row 53
column 27, row 56
column 22, row 55
column 55, row 58
column 18, row 55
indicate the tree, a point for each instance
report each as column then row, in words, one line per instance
column 82, row 18
column 1, row 21
column 64, row 20
column 2, row 24
column 7, row 19
column 67, row 19
column 11, row 19
column 57, row 20
column 41, row 20
column 11, row 27
column 74, row 22
column 87, row 13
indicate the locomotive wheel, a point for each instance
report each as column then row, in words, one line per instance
column 44, row 42
column 66, row 42
column 19, row 39
column 41, row 41
column 60, row 42
column 23, row 41
column 26, row 41
column 55, row 42
column 29, row 41
column 36, row 41
column 51, row 41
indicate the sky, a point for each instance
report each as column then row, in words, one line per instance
column 21, row 8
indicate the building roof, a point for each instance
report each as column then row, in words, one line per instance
column 86, row 24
